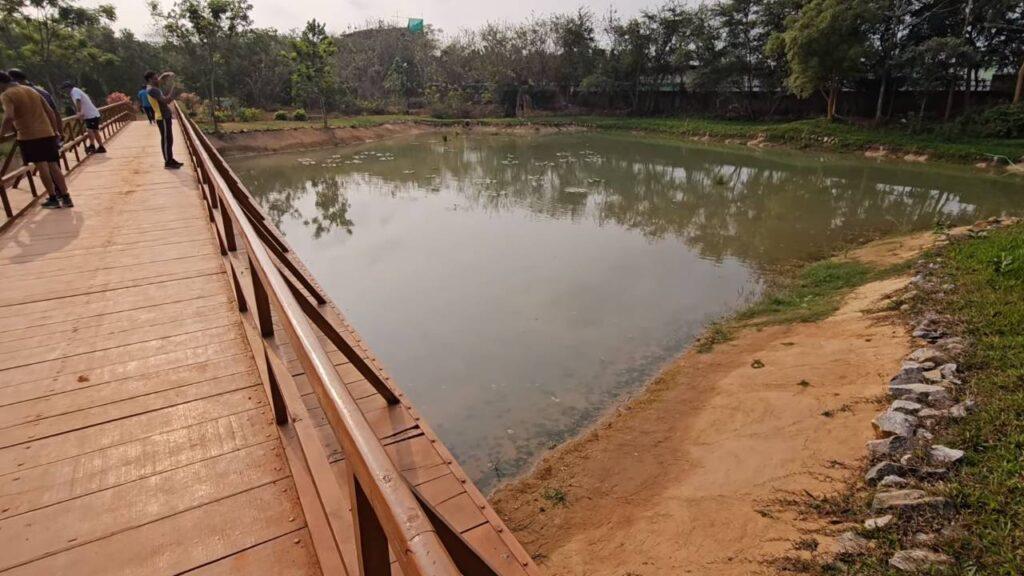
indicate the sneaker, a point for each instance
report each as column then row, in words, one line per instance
column 90, row 149
column 173, row 164
column 65, row 201
column 101, row 150
column 51, row 202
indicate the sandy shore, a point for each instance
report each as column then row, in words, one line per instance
column 687, row 477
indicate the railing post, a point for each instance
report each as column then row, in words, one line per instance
column 276, row 398
column 263, row 315
column 229, row 229
column 7, row 203
column 371, row 541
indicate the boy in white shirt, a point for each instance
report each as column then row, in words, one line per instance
column 89, row 114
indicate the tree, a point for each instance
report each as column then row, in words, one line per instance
column 397, row 81
column 824, row 46
column 313, row 53
column 937, row 64
column 50, row 37
column 205, row 29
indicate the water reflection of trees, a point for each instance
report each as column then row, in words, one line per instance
column 760, row 208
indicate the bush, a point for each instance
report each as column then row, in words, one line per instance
column 190, row 101
column 223, row 116
column 1001, row 122
column 280, row 115
column 300, row 115
column 116, row 97
column 248, row 115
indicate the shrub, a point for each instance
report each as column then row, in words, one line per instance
column 280, row 115
column 1001, row 122
column 223, row 116
column 115, row 97
column 248, row 115
column 300, row 115
column 190, row 101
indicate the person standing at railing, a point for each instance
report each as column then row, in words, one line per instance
column 38, row 130
column 145, row 104
column 161, row 104
column 21, row 78
column 90, row 116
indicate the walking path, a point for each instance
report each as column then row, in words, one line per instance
column 135, row 435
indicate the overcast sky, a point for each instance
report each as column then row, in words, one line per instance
column 449, row 15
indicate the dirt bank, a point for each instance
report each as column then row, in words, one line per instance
column 241, row 143
column 267, row 141
column 685, row 479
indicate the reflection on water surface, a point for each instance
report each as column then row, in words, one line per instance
column 515, row 286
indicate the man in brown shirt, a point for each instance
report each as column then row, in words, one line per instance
column 38, row 130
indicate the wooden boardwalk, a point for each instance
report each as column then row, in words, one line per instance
column 135, row 431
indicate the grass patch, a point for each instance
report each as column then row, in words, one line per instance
column 989, row 488
column 812, row 295
column 555, row 496
column 715, row 334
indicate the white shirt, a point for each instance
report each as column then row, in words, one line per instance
column 89, row 109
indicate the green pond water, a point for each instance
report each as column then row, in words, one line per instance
column 516, row 286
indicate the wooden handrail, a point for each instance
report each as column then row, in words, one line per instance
column 385, row 509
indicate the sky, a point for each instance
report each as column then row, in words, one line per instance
column 341, row 15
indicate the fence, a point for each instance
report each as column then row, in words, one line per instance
column 387, row 513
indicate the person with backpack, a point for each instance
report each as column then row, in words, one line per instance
column 161, row 104
column 145, row 104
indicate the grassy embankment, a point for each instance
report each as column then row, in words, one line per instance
column 812, row 134
column 809, row 294
column 987, row 490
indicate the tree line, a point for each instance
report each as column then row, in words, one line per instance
column 740, row 49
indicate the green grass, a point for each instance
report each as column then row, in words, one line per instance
column 555, row 496
column 989, row 489
column 811, row 295
column 809, row 134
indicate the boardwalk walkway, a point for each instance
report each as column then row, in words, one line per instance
column 136, row 436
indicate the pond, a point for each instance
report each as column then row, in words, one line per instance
column 517, row 285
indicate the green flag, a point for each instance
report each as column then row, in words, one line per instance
column 415, row 24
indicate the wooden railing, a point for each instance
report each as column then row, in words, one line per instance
column 386, row 511
column 72, row 152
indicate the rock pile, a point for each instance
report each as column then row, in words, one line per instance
column 923, row 394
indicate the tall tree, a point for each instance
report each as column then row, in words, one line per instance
column 824, row 45
column 205, row 29
column 51, row 37
column 313, row 54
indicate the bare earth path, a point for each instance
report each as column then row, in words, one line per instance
column 685, row 479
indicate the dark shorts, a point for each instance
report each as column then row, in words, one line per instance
column 39, row 150
column 92, row 123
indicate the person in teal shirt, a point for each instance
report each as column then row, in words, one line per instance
column 145, row 104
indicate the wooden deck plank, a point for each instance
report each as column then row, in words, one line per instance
column 288, row 555
column 178, row 359
column 184, row 541
column 43, row 407
column 46, row 531
column 104, row 413
column 49, row 484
